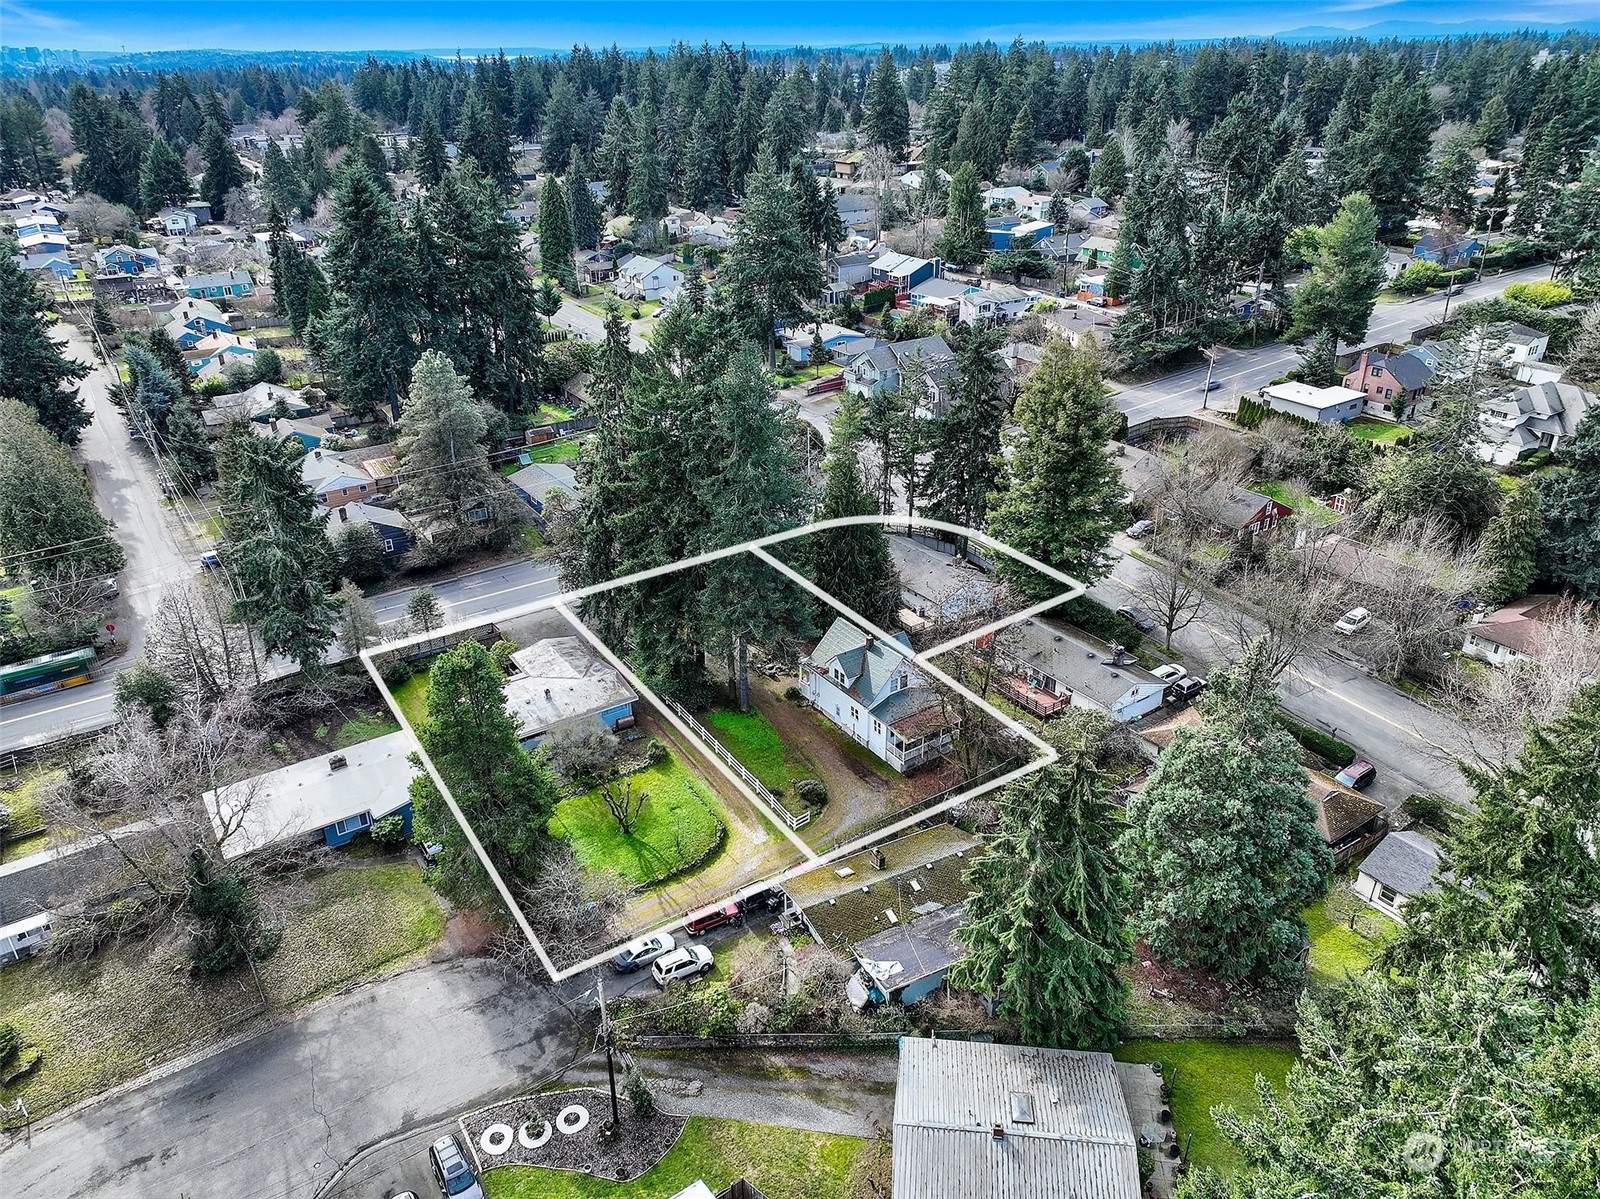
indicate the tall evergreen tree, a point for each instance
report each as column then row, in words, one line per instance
column 1222, row 846
column 888, row 116
column 188, row 444
column 1346, row 273
column 965, row 239
column 223, row 172
column 33, row 370
column 49, row 524
column 585, row 219
column 1108, row 179
column 277, row 549
column 852, row 563
column 1509, row 550
column 771, row 271
column 162, row 179
column 1494, row 126
column 1046, row 923
column 964, row 451
column 556, row 240
column 279, row 183
column 1570, row 501
column 431, row 162
column 365, row 337
column 647, row 173
column 1061, row 496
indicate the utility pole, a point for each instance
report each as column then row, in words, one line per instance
column 1211, row 365
column 608, row 1036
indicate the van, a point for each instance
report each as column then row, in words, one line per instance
column 451, row 1171
column 704, row 919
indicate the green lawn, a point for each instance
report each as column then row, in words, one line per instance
column 784, row 1163
column 365, row 727
column 412, row 696
column 1376, row 430
column 681, row 823
column 1204, row 1074
column 756, row 743
column 565, row 450
column 28, row 831
column 549, row 414
column 133, row 1005
column 1306, row 507
column 1337, row 949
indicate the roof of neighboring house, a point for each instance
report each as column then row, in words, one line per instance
column 805, row 334
column 1406, row 862
column 560, row 679
column 190, row 309
column 939, row 289
column 1002, row 293
column 1081, row 663
column 1549, row 410
column 258, row 400
column 1063, row 1121
column 358, row 512
column 933, row 583
column 640, row 267
column 1409, row 369
column 539, row 479
column 301, row 798
column 1236, row 506
column 226, row 279
column 1438, row 240
column 1313, row 397
column 934, row 353
column 847, row 900
column 891, row 263
column 1339, row 812
column 1519, row 625
column 916, row 949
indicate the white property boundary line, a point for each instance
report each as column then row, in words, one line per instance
column 756, row 548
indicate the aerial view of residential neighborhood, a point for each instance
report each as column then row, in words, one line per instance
column 940, row 601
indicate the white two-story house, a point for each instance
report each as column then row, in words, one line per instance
column 871, row 690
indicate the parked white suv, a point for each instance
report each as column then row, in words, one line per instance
column 1352, row 621
column 689, row 962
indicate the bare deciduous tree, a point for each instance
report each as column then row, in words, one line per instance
column 1413, row 582
column 193, row 641
column 582, row 753
column 1289, row 597
column 573, row 911
column 1174, row 592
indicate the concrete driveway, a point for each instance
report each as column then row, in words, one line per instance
column 274, row 1117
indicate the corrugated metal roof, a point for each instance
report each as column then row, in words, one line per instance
column 952, row 1094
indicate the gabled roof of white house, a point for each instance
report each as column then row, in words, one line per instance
column 301, row 798
column 1407, row 862
column 640, row 267
column 866, row 662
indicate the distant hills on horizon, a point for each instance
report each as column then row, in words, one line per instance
column 40, row 57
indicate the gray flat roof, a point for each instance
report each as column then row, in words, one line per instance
column 1064, row 1123
column 560, row 679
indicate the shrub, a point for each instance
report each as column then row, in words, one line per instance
column 500, row 654
column 1095, row 618
column 1417, row 277
column 1046, row 306
column 877, row 299
column 792, row 693
column 654, row 752
column 811, row 792
column 1540, row 294
column 1325, row 746
column 1251, row 413
column 395, row 669
column 634, row 314
column 638, row 1093
column 1432, row 810
column 10, row 1045
column 390, row 830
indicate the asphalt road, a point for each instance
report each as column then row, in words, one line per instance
column 276, row 1116
column 1411, row 744
column 1241, row 371
column 123, row 479
column 481, row 593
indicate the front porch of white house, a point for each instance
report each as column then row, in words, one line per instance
column 920, row 738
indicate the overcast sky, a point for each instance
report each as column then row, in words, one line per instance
column 449, row 24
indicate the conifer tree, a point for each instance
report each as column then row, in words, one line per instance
column 1509, row 550
column 33, row 370
column 1108, row 179
column 1346, row 273
column 223, row 172
column 48, row 520
column 965, row 239
column 647, row 173
column 772, row 270
column 1060, row 497
column 279, row 184
column 585, row 220
column 556, row 242
column 1046, row 923
column 888, row 116
column 1222, row 847
column 188, row 444
column 852, row 563
column 963, row 460
column 162, row 179
column 431, row 163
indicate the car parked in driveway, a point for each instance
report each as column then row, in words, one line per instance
column 1140, row 528
column 450, row 1170
column 1359, row 775
column 1185, row 689
column 1169, row 672
column 1138, row 618
column 689, row 962
column 1352, row 622
column 636, row 955
column 704, row 919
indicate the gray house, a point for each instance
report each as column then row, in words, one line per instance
column 1053, row 667
column 1401, row 866
column 883, row 368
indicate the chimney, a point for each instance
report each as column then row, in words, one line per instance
column 547, row 694
column 344, row 514
column 337, row 762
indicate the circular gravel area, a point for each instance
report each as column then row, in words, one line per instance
column 560, row 1130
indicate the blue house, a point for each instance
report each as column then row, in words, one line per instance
column 903, row 271
column 1004, row 232
column 329, row 799
column 395, row 531
column 124, row 260
column 1447, row 250
column 219, row 286
column 538, row 481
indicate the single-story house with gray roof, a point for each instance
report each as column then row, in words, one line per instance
column 1401, row 866
column 1052, row 666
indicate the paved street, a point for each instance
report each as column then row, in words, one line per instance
column 480, row 593
column 1411, row 744
column 276, row 1116
column 1241, row 371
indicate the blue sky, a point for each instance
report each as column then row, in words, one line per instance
column 448, row 24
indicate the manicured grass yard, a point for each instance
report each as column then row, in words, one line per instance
column 756, row 743
column 28, row 832
column 1337, row 949
column 102, row 1022
column 1206, row 1073
column 784, row 1163
column 412, row 696
column 565, row 450
column 1306, row 507
column 681, row 824
column 1376, row 430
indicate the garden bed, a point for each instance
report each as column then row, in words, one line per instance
column 561, row 1130
column 680, row 829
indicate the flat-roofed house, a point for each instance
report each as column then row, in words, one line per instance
column 562, row 681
